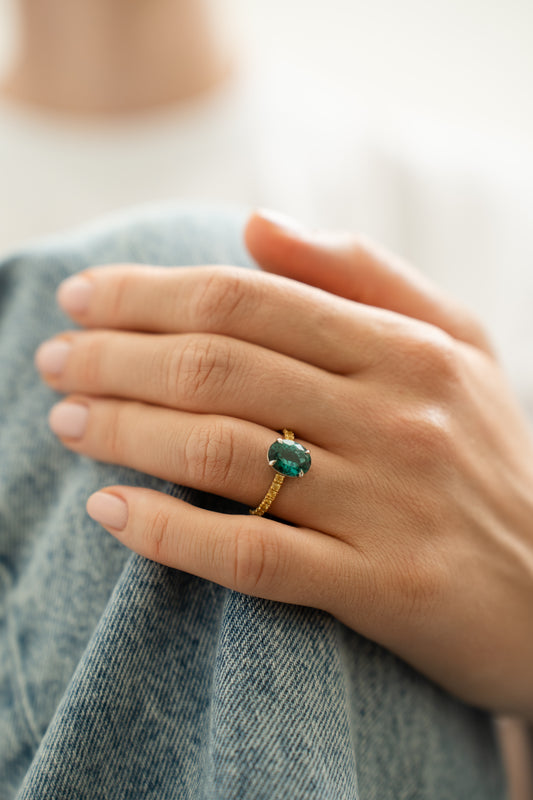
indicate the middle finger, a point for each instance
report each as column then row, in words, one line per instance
column 202, row 373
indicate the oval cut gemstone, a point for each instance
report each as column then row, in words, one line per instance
column 289, row 458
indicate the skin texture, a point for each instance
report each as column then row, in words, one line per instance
column 413, row 525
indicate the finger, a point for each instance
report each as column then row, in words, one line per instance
column 220, row 455
column 203, row 373
column 277, row 313
column 256, row 556
column 358, row 269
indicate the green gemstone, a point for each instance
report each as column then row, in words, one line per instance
column 289, row 458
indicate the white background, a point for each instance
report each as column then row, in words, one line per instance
column 468, row 61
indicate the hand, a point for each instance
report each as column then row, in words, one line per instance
column 413, row 525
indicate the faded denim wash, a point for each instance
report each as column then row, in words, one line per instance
column 120, row 678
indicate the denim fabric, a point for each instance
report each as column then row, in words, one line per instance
column 120, row 678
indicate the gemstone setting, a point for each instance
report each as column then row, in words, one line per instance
column 289, row 458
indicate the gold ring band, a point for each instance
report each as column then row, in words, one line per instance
column 298, row 463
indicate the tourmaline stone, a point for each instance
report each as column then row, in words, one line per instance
column 289, row 458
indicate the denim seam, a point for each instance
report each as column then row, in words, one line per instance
column 21, row 693
column 347, row 702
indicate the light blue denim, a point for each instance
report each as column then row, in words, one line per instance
column 120, row 678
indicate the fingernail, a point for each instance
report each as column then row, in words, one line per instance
column 68, row 419
column 108, row 509
column 51, row 356
column 286, row 223
column 74, row 294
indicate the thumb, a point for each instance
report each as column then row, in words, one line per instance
column 358, row 269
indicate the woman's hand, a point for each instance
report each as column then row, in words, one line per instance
column 414, row 525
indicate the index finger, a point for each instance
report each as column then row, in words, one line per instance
column 275, row 312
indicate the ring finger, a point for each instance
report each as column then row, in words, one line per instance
column 212, row 453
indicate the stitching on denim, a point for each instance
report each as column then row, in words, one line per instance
column 23, row 698
column 344, row 672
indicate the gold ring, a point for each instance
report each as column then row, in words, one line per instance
column 289, row 460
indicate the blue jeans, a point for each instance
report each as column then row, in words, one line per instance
column 120, row 678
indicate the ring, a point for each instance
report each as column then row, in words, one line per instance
column 289, row 460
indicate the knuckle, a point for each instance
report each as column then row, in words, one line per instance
column 210, row 455
column 416, row 582
column 91, row 361
column 119, row 289
column 222, row 296
column 256, row 560
column 157, row 535
column 425, row 436
column 469, row 328
column 198, row 368
column 115, row 440
column 433, row 361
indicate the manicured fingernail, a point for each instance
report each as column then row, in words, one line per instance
column 68, row 419
column 286, row 223
column 108, row 509
column 51, row 356
column 74, row 294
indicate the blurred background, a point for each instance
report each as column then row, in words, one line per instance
column 468, row 62
column 411, row 122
